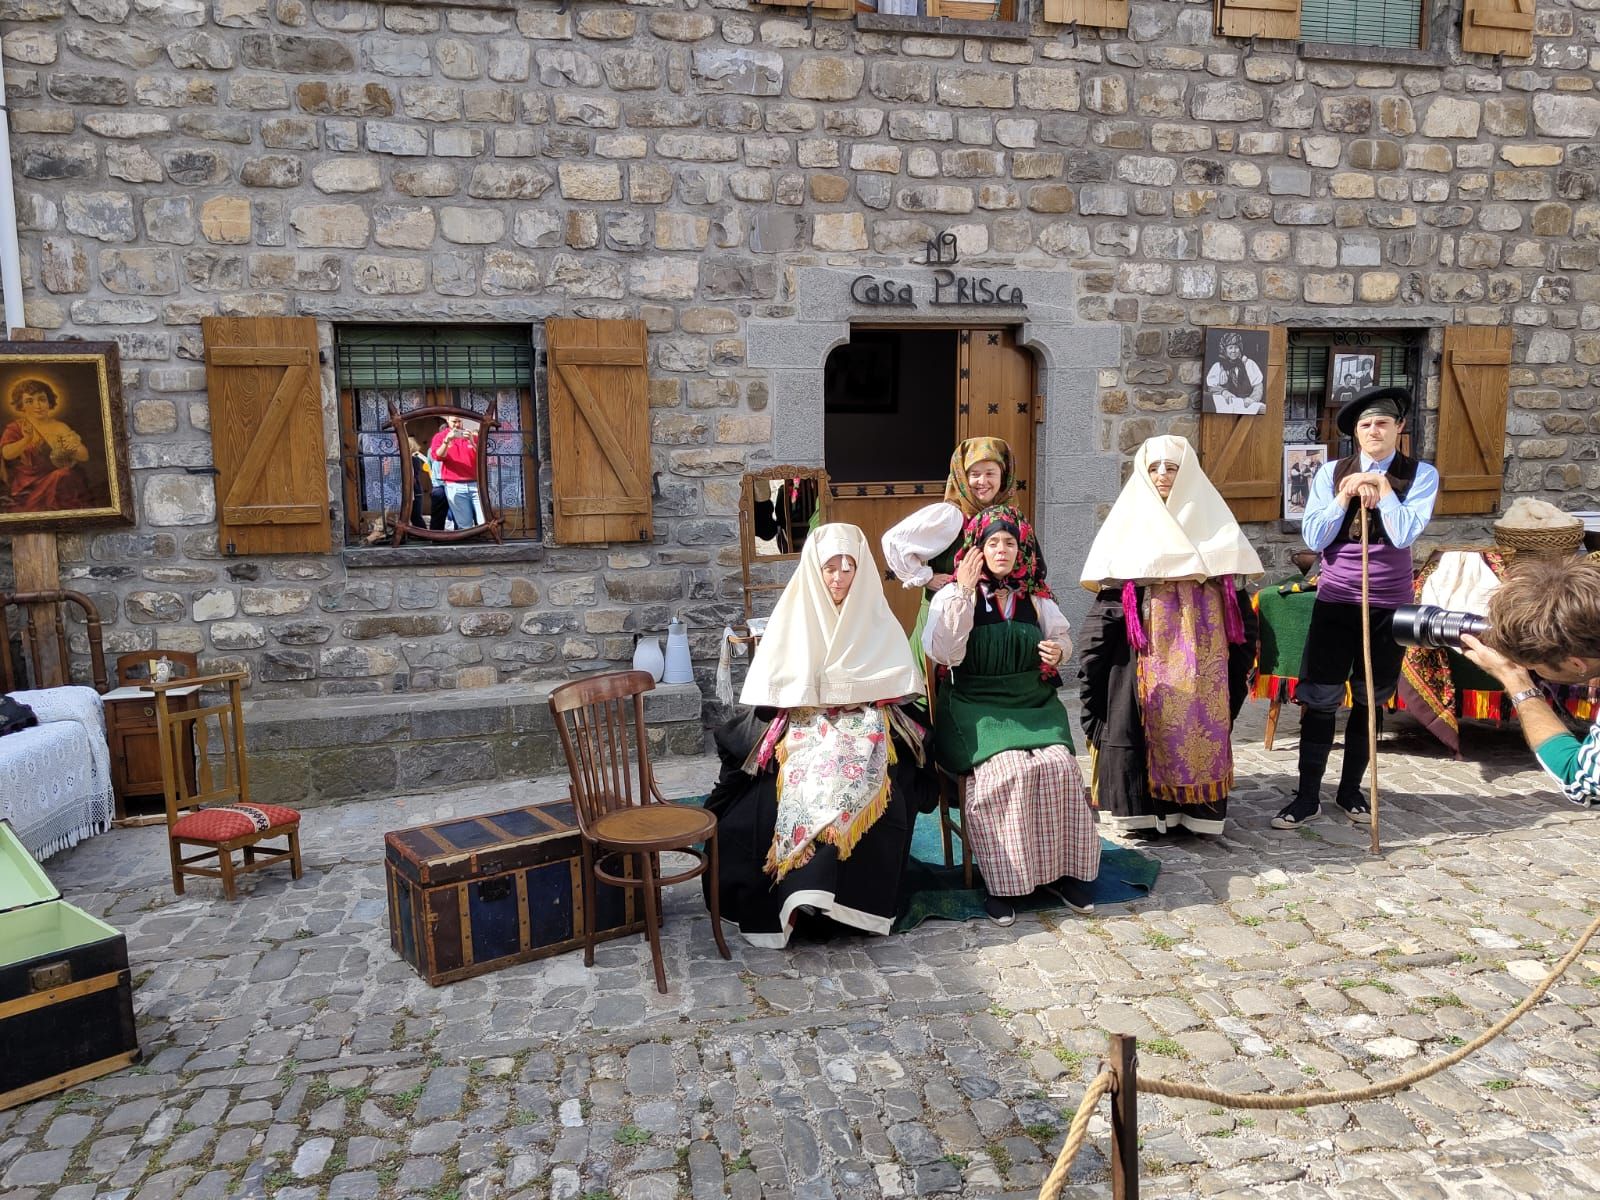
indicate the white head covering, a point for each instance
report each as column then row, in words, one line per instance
column 1190, row 535
column 816, row 655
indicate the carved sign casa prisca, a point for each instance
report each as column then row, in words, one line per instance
column 950, row 290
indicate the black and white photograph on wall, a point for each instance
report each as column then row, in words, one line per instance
column 1300, row 463
column 1235, row 372
column 1349, row 373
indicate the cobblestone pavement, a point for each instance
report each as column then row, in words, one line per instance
column 289, row 1054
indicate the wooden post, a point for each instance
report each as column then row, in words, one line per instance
column 1124, row 1117
column 38, row 569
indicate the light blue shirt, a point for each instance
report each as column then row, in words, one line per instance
column 1403, row 520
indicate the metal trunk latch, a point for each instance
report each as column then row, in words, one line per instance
column 52, row 975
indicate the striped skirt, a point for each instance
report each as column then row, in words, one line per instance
column 1029, row 822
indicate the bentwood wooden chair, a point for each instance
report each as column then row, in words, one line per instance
column 45, row 640
column 952, row 794
column 621, row 813
column 211, row 808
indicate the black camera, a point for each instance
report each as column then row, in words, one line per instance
column 1435, row 628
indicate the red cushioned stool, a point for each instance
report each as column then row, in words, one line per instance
column 214, row 810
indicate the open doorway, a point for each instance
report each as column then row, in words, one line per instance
column 897, row 400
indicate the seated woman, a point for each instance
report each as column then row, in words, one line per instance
column 996, row 627
column 1167, row 647
column 820, row 787
column 921, row 550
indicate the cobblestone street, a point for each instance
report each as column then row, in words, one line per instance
column 288, row 1052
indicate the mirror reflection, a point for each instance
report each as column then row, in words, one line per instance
column 782, row 513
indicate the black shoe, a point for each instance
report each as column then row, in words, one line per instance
column 1074, row 893
column 1358, row 810
column 1000, row 910
column 1296, row 815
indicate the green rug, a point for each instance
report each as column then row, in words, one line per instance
column 938, row 891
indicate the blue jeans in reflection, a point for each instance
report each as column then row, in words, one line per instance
column 465, row 509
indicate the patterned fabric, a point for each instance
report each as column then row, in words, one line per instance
column 1183, row 692
column 1574, row 765
column 969, row 454
column 1431, row 691
column 833, row 783
column 55, row 778
column 1027, row 577
column 1029, row 821
column 228, row 821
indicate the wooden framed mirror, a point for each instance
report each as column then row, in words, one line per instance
column 417, row 433
column 778, row 507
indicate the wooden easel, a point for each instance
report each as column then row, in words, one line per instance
column 37, row 565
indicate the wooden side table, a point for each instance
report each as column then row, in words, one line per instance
column 136, row 751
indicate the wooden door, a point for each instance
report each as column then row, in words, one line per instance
column 1242, row 455
column 994, row 396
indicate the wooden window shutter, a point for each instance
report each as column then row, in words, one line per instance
column 1497, row 27
column 1259, row 18
column 265, row 392
column 1244, row 455
column 599, row 429
column 1475, row 377
column 1103, row 14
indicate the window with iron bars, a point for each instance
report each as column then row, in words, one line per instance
column 1401, row 24
column 1311, row 403
column 415, row 366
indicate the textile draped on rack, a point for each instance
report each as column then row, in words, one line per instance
column 55, row 778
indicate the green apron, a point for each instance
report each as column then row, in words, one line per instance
column 996, row 700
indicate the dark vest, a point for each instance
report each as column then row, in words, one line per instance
column 989, row 614
column 1402, row 473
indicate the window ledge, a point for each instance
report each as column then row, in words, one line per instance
column 1396, row 56
column 1009, row 31
column 440, row 555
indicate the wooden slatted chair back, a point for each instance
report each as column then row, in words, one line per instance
column 45, row 640
column 601, row 723
column 221, row 774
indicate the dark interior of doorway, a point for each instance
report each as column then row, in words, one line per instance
column 889, row 397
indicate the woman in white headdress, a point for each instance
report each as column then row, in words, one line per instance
column 821, row 782
column 1167, row 647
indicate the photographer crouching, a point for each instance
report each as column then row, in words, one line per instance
column 1544, row 619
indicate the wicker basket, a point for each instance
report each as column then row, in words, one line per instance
column 1540, row 543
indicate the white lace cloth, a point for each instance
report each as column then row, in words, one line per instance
column 55, row 779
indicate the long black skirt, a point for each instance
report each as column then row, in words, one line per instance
column 862, row 893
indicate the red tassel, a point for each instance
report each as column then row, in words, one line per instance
column 1232, row 621
column 1130, row 610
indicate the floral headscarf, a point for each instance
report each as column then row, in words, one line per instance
column 969, row 454
column 1027, row 577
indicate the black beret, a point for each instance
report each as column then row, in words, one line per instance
column 1393, row 399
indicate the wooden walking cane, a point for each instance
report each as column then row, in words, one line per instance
column 1372, row 701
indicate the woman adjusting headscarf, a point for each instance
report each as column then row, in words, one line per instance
column 821, row 782
column 1167, row 646
column 921, row 549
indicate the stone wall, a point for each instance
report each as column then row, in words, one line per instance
column 363, row 161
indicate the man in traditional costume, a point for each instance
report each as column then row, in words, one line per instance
column 1167, row 648
column 1002, row 639
column 822, row 781
column 1398, row 493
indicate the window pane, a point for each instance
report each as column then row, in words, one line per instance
column 1362, row 22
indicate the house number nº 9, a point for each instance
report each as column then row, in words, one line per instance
column 950, row 290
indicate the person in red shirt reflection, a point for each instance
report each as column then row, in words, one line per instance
column 456, row 449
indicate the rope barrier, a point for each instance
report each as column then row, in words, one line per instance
column 1191, row 1091
column 1104, row 1082
column 1056, row 1180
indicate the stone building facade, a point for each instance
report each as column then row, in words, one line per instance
column 723, row 171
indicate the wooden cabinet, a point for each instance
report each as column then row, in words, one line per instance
column 136, row 752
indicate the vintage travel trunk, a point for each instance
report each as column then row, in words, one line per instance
column 66, row 995
column 476, row 894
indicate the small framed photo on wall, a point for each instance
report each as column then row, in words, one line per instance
column 63, row 442
column 1300, row 463
column 1235, row 379
column 1351, row 371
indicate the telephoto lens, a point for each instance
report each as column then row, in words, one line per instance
column 1435, row 628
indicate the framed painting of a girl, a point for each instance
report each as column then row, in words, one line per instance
column 63, row 442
